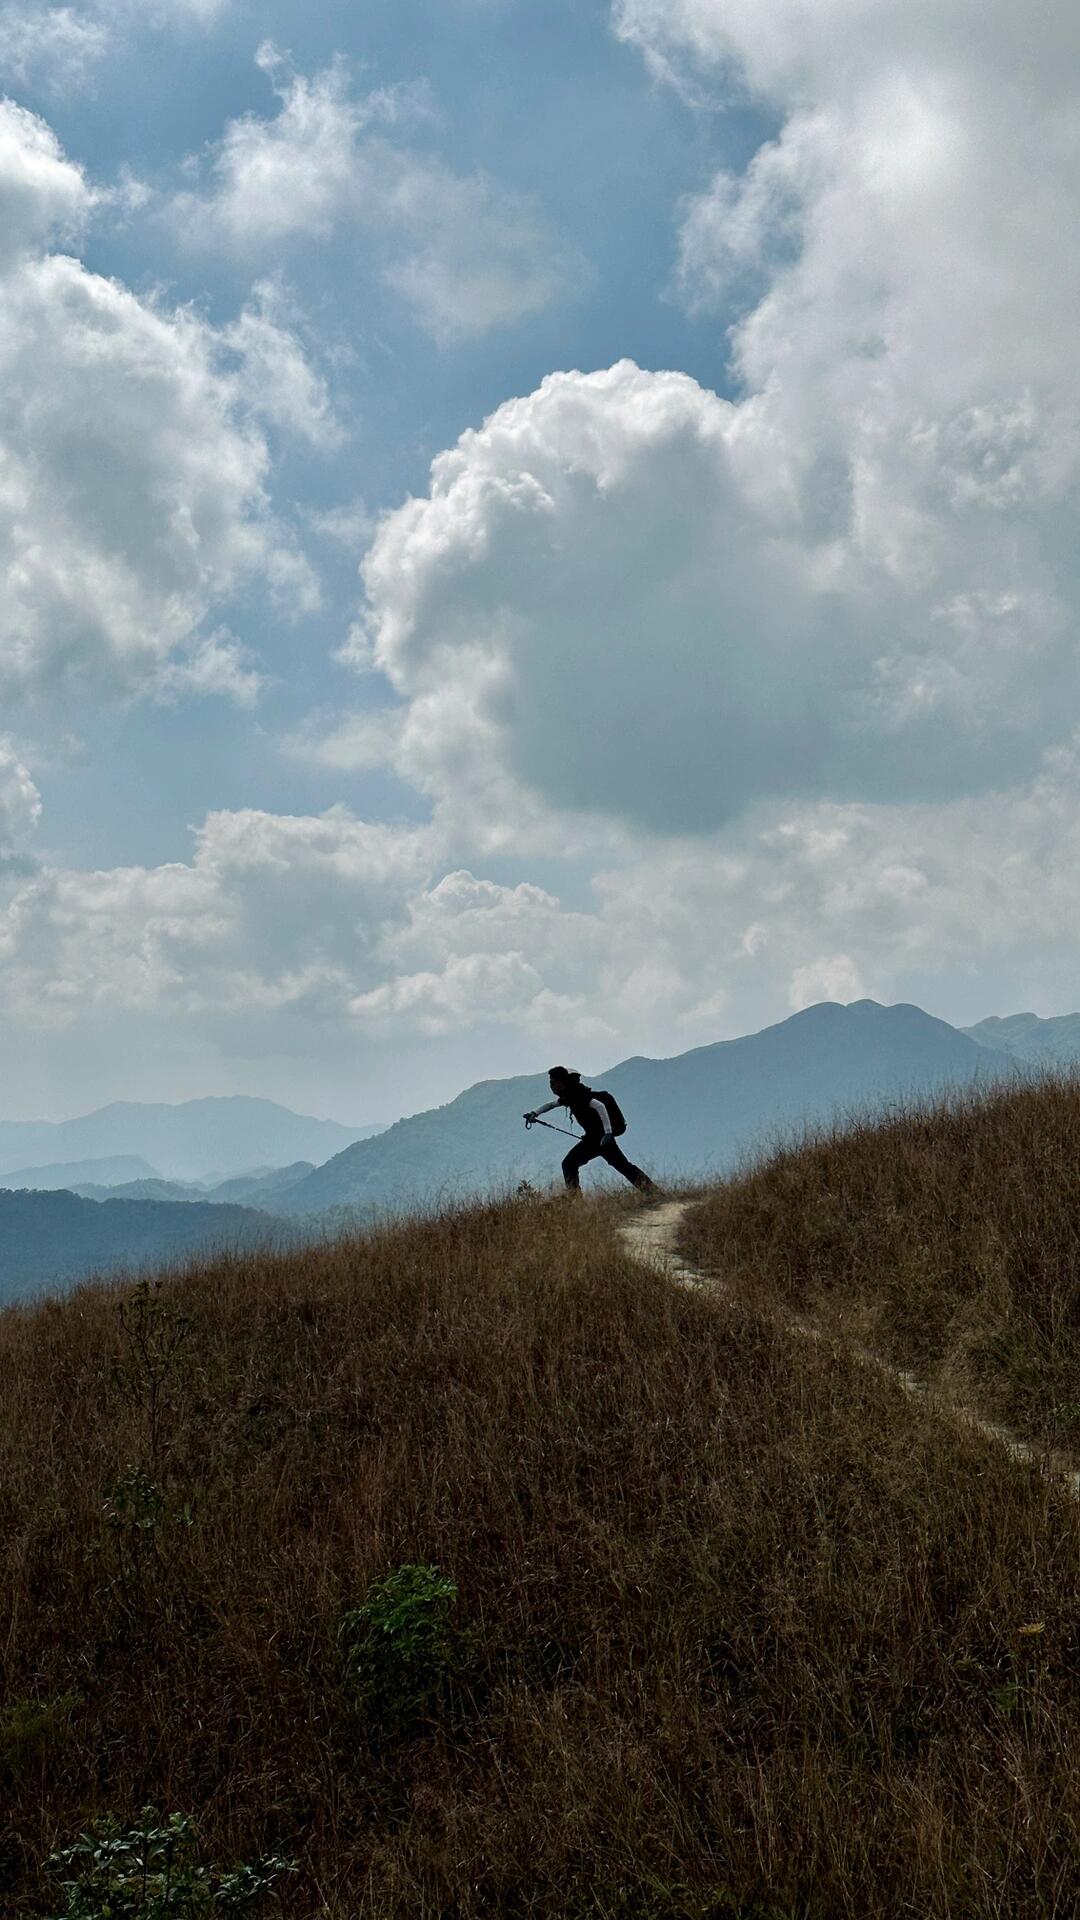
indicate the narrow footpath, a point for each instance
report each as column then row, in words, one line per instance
column 651, row 1238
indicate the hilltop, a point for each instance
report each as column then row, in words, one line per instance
column 474, row 1570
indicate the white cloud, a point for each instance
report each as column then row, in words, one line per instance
column 349, row 525
column 277, row 381
column 44, row 197
column 359, row 743
column 601, row 605
column 134, row 471
column 274, row 917
column 858, row 580
column 215, row 664
column 319, row 935
column 466, row 253
column 284, row 933
column 958, row 906
column 796, row 669
column 783, row 49
column 902, row 265
column 20, row 808
column 489, row 986
column 62, row 45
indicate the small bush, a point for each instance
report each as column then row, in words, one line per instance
column 151, row 1870
column 403, row 1651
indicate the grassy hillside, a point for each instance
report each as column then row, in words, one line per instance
column 715, row 1622
column 949, row 1241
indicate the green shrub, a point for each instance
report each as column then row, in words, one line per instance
column 151, row 1870
column 403, row 1651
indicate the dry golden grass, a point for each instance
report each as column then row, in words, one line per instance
column 947, row 1240
column 751, row 1628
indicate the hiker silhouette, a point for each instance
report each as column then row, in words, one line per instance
column 599, row 1116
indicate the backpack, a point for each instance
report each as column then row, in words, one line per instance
column 615, row 1112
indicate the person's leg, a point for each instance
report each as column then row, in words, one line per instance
column 616, row 1158
column 577, row 1157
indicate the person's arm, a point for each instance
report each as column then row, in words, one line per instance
column 604, row 1118
column 537, row 1111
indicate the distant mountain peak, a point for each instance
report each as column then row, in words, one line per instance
column 1028, row 1036
column 215, row 1137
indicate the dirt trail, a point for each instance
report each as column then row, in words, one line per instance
column 652, row 1238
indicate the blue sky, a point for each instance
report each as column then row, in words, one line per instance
column 727, row 667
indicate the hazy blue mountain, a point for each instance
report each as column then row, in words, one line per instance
column 114, row 1171
column 697, row 1112
column 156, row 1189
column 250, row 1190
column 50, row 1240
column 1041, row 1043
column 197, row 1140
column 260, row 1189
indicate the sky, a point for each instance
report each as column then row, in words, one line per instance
column 529, row 530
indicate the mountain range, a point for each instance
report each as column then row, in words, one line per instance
column 259, row 1189
column 213, row 1138
column 700, row 1113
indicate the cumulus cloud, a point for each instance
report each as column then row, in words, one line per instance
column 288, row 935
column 466, row 253
column 796, row 668
column 817, row 642
column 962, row 907
column 134, row 468
column 902, row 263
column 600, row 604
column 472, row 952
column 44, row 197
column 274, row 915
column 856, row 580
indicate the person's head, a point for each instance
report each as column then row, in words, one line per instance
column 560, row 1080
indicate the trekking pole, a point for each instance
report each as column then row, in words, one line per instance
column 551, row 1128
